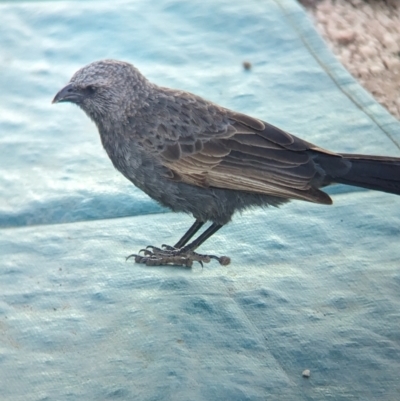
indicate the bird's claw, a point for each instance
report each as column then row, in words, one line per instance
column 223, row 260
column 169, row 247
column 169, row 255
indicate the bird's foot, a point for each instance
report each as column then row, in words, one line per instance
column 168, row 255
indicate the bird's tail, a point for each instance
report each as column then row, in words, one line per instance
column 373, row 172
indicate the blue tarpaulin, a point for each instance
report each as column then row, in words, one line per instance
column 309, row 287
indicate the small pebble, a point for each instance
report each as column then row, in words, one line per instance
column 306, row 373
column 246, row 65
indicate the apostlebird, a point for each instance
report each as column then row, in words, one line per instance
column 194, row 156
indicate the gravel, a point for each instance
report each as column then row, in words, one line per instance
column 365, row 36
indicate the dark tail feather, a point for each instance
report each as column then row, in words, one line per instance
column 373, row 172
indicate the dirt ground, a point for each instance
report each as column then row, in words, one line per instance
column 365, row 36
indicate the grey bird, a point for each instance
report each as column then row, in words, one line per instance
column 194, row 156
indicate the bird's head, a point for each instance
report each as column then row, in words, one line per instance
column 105, row 89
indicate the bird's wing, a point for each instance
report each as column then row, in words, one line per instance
column 208, row 146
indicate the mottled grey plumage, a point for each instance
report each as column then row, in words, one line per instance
column 196, row 157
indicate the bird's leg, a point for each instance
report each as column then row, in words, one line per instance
column 183, row 241
column 202, row 238
column 182, row 254
column 189, row 234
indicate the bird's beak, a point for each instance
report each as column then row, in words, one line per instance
column 69, row 93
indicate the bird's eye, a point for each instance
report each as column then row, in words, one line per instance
column 90, row 89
